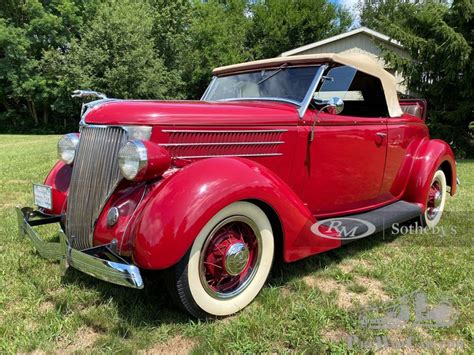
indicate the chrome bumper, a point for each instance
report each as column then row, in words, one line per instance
column 114, row 269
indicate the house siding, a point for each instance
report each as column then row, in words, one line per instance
column 365, row 44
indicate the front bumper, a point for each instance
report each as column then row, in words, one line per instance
column 102, row 262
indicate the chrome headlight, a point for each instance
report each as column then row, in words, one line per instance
column 67, row 147
column 132, row 159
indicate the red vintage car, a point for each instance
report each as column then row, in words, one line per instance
column 281, row 159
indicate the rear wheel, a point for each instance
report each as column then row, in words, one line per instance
column 228, row 263
column 436, row 200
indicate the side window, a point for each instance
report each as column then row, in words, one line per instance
column 362, row 93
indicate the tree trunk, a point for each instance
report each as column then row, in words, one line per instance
column 32, row 109
column 7, row 108
column 45, row 113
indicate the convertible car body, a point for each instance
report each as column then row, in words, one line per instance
column 285, row 157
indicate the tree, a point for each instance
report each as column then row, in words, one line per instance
column 217, row 36
column 116, row 54
column 439, row 39
column 170, row 30
column 34, row 35
column 13, row 55
column 279, row 26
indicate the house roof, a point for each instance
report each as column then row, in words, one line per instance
column 361, row 62
column 364, row 30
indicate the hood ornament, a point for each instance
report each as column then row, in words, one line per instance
column 86, row 106
column 88, row 93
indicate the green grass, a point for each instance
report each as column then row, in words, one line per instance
column 311, row 305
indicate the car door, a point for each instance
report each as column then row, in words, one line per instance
column 345, row 161
column 405, row 135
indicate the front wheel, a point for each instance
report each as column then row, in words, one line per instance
column 436, row 200
column 228, row 263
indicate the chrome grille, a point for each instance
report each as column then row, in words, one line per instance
column 95, row 175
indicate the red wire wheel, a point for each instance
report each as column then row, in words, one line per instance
column 436, row 200
column 230, row 257
column 227, row 264
column 435, row 197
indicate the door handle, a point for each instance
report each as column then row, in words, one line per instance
column 379, row 137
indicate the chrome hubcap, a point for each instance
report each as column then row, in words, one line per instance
column 236, row 258
column 435, row 199
column 230, row 257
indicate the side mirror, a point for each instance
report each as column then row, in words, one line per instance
column 335, row 105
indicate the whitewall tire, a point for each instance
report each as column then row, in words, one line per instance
column 436, row 200
column 228, row 263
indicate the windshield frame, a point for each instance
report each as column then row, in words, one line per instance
column 303, row 105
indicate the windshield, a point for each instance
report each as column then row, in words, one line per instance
column 283, row 83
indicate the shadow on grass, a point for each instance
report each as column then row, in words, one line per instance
column 284, row 273
column 148, row 307
column 152, row 306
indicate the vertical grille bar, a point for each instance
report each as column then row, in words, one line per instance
column 95, row 175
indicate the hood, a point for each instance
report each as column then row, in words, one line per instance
column 141, row 112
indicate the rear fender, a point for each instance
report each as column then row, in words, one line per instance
column 431, row 155
column 180, row 206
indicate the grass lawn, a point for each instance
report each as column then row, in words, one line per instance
column 313, row 305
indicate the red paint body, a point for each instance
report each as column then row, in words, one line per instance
column 353, row 165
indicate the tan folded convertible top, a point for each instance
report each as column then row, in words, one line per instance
column 358, row 61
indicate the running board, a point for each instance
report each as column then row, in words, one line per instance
column 361, row 225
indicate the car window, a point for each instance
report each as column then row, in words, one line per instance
column 287, row 83
column 362, row 93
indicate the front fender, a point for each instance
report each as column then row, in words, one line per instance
column 431, row 155
column 180, row 206
column 59, row 178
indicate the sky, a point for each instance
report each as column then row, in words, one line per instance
column 349, row 4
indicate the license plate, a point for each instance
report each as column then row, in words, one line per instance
column 42, row 196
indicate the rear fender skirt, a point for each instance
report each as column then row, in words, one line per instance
column 430, row 156
column 179, row 207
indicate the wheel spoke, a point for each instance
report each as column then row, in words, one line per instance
column 230, row 257
column 209, row 263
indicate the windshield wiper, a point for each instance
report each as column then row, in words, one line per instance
column 282, row 67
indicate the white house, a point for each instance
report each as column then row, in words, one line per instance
column 361, row 40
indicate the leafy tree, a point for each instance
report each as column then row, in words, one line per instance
column 170, row 30
column 439, row 39
column 217, row 36
column 33, row 35
column 116, row 54
column 279, row 26
column 14, row 63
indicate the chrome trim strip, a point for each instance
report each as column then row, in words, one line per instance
column 208, row 88
column 224, row 131
column 107, row 270
column 310, row 93
column 259, row 99
column 218, row 143
column 271, row 67
column 131, row 130
column 228, row 156
column 87, row 107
